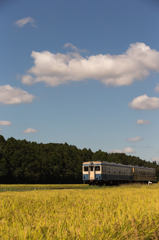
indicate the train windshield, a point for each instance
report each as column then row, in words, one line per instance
column 91, row 168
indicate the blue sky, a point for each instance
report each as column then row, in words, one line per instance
column 84, row 72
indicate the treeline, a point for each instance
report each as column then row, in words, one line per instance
column 27, row 162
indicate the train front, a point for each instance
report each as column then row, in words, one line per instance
column 92, row 172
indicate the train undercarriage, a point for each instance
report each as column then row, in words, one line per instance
column 113, row 182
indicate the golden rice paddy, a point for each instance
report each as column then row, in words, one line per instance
column 124, row 212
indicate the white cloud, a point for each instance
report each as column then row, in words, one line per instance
column 115, row 151
column 5, row 123
column 134, row 139
column 23, row 21
column 11, row 95
column 144, row 102
column 30, row 130
column 141, row 121
column 116, row 70
column 128, row 150
column 27, row 79
column 125, row 150
column 70, row 45
column 157, row 88
column 74, row 48
column 155, row 159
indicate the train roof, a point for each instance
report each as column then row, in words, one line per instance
column 114, row 164
column 143, row 167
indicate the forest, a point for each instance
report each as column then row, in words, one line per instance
column 24, row 162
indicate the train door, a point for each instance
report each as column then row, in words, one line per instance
column 91, row 173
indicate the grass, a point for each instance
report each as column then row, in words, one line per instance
column 124, row 212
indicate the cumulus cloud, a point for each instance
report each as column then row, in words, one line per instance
column 134, row 139
column 157, row 88
column 116, row 70
column 144, row 102
column 27, row 79
column 141, row 121
column 30, row 130
column 5, row 123
column 24, row 21
column 128, row 150
column 125, row 150
column 11, row 95
column 155, row 159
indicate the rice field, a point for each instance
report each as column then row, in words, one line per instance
column 123, row 212
column 30, row 187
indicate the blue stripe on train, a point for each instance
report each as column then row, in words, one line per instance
column 109, row 177
column 97, row 177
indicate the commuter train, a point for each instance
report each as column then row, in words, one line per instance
column 99, row 173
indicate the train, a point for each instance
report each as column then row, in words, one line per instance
column 99, row 173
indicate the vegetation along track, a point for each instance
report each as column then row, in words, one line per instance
column 124, row 212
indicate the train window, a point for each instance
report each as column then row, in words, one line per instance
column 85, row 169
column 97, row 168
column 108, row 170
column 119, row 170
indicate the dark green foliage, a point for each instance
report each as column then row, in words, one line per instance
column 28, row 162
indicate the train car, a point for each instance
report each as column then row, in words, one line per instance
column 143, row 174
column 113, row 173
